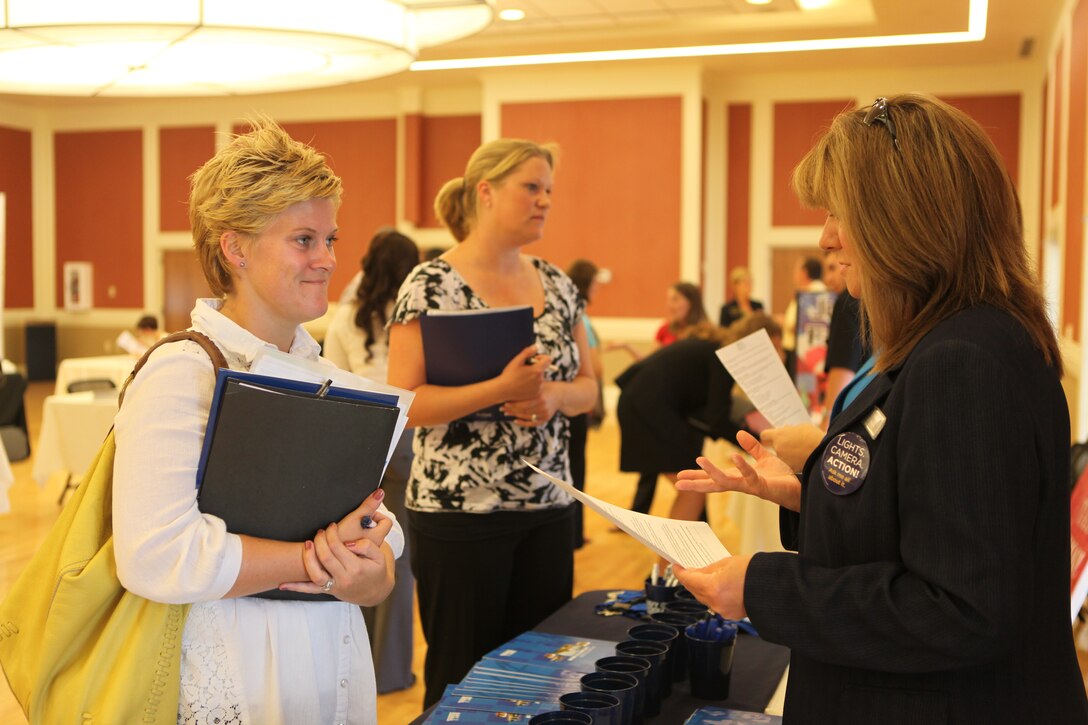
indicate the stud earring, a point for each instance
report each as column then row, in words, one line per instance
column 242, row 264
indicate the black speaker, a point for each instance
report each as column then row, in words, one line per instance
column 41, row 351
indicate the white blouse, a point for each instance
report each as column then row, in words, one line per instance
column 244, row 660
column 345, row 344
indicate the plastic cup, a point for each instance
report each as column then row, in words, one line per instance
column 654, row 653
column 635, row 666
column 678, row 622
column 710, row 659
column 602, row 707
column 666, row 635
column 658, row 595
column 621, row 686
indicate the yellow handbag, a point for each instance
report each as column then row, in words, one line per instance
column 76, row 646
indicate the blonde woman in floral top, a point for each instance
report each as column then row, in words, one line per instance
column 491, row 541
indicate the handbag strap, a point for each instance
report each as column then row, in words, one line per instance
column 218, row 361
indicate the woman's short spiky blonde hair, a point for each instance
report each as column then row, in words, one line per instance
column 245, row 185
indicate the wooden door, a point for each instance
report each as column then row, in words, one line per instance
column 784, row 262
column 183, row 284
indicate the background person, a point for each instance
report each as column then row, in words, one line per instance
column 484, row 528
column 741, row 303
column 920, row 559
column 263, row 214
column 807, row 277
column 357, row 340
column 584, row 275
column 684, row 315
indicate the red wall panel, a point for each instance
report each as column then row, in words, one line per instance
column 738, row 171
column 445, row 146
column 1000, row 117
column 364, row 154
column 797, row 126
column 15, row 173
column 617, row 193
column 181, row 152
column 99, row 212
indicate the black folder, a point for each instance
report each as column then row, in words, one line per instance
column 469, row 346
column 281, row 462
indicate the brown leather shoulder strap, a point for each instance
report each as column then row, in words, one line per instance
column 218, row 361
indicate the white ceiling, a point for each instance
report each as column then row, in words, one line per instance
column 553, row 26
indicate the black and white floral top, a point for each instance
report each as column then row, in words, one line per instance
column 475, row 466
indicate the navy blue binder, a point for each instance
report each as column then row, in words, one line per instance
column 281, row 462
column 470, row 346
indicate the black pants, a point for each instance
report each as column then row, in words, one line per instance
column 482, row 579
column 579, row 432
column 644, row 494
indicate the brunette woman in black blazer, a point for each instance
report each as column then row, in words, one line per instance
column 931, row 579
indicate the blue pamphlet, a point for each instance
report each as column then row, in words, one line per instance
column 725, row 716
column 556, row 650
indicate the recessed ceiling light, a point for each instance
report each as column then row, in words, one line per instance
column 511, row 14
column 758, row 2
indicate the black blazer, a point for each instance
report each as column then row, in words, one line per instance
column 938, row 591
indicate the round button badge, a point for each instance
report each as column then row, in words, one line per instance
column 845, row 464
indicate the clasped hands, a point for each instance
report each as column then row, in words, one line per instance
column 351, row 556
column 530, row 399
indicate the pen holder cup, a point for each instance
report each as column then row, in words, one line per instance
column 561, row 717
column 621, row 686
column 654, row 653
column 710, row 658
column 665, row 635
column 657, row 596
column 602, row 707
column 679, row 622
column 683, row 593
column 637, row 667
column 688, row 606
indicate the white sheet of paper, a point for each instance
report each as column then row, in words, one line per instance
column 278, row 364
column 691, row 544
column 755, row 366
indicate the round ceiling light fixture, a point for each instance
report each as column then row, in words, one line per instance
column 218, row 47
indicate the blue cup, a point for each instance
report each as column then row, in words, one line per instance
column 678, row 622
column 622, row 687
column 710, row 657
column 561, row 717
column 688, row 606
column 683, row 593
column 654, row 653
column 602, row 708
column 657, row 595
column 667, row 636
column 627, row 665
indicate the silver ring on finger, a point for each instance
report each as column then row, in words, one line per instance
column 329, row 585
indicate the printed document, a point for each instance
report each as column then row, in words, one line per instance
column 755, row 366
column 691, row 544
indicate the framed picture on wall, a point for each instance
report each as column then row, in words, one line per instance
column 78, row 286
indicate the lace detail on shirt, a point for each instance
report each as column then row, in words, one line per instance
column 209, row 695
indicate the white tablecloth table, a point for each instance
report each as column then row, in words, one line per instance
column 110, row 367
column 73, row 428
